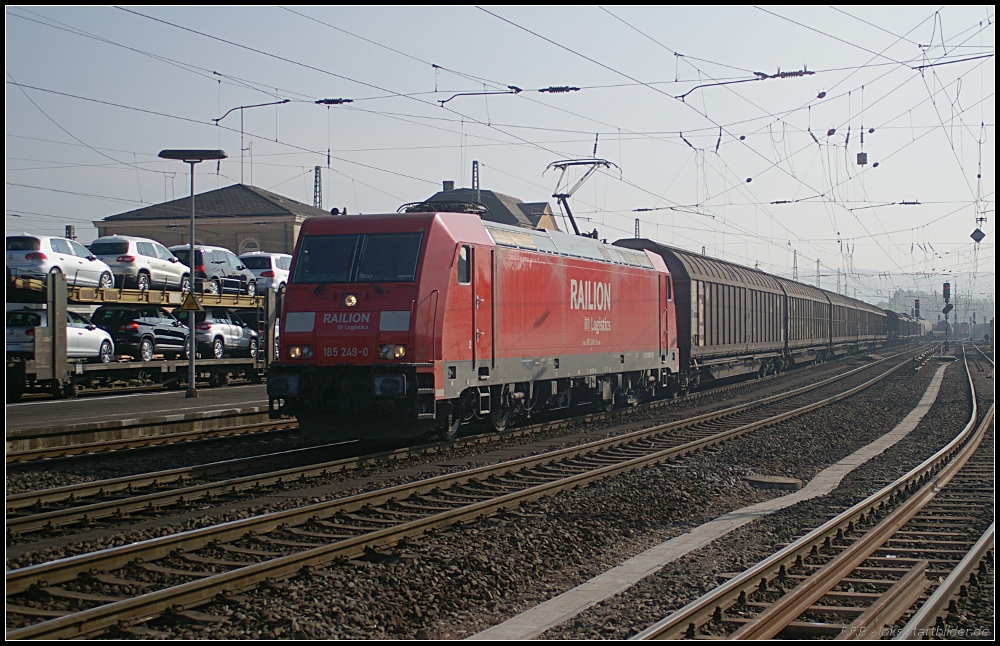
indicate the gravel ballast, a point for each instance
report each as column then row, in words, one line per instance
column 458, row 582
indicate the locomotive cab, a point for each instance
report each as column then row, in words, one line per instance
column 358, row 327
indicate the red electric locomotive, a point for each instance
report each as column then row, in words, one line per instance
column 401, row 325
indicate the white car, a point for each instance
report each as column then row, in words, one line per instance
column 32, row 256
column 271, row 269
column 84, row 340
column 142, row 263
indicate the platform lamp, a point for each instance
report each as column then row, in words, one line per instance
column 192, row 157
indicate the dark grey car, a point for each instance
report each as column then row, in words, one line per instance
column 217, row 270
column 143, row 330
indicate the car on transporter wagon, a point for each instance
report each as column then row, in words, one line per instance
column 143, row 330
column 31, row 256
column 84, row 340
column 271, row 269
column 217, row 270
column 141, row 263
column 219, row 332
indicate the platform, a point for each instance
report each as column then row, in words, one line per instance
column 62, row 422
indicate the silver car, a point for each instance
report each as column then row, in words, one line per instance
column 142, row 263
column 271, row 269
column 220, row 332
column 84, row 340
column 32, row 256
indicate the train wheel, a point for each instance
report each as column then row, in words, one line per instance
column 219, row 378
column 448, row 432
column 500, row 418
column 500, row 411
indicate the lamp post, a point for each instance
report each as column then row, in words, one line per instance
column 192, row 157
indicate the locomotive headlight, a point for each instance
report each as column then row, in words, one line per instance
column 391, row 351
column 350, row 300
column 300, row 352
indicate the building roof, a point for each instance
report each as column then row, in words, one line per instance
column 502, row 208
column 238, row 200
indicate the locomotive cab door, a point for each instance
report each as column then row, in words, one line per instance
column 482, row 311
column 664, row 318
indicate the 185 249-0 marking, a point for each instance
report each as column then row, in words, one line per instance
column 344, row 352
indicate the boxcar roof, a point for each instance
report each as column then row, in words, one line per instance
column 847, row 301
column 802, row 290
column 698, row 267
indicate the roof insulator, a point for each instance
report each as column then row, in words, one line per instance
column 559, row 89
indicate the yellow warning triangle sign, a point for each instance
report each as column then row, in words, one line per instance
column 191, row 304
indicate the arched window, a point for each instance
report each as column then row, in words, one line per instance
column 249, row 245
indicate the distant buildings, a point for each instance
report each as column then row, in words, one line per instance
column 500, row 208
column 246, row 218
column 238, row 217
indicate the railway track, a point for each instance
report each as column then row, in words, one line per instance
column 42, row 457
column 859, row 574
column 103, row 447
column 93, row 592
column 120, row 499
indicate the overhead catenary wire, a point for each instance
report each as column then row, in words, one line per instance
column 709, row 171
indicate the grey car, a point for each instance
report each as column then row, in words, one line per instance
column 219, row 332
column 217, row 270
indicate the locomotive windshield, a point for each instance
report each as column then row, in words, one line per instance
column 387, row 257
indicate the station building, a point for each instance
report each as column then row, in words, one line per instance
column 245, row 218
column 241, row 218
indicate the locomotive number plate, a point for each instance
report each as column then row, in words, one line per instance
column 345, row 352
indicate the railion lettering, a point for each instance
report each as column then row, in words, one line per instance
column 347, row 317
column 589, row 295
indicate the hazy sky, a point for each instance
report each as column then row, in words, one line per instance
column 714, row 147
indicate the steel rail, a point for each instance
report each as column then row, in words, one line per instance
column 98, row 449
column 985, row 356
column 101, row 448
column 108, row 446
column 925, row 619
column 684, row 621
column 776, row 617
column 196, row 592
column 137, row 502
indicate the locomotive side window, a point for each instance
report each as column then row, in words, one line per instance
column 464, row 275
